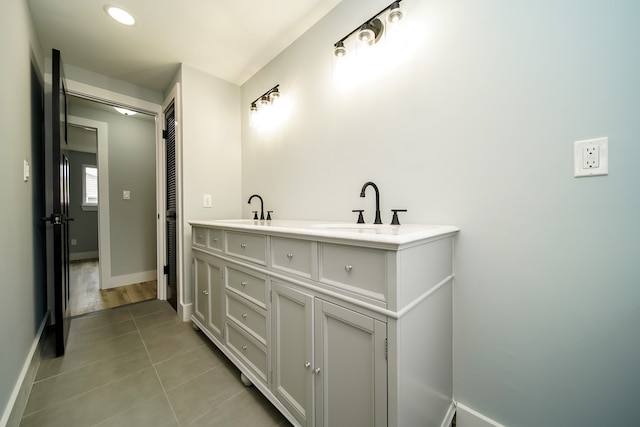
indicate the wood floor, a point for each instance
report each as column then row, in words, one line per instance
column 86, row 297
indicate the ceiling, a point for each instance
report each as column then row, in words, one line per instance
column 229, row 39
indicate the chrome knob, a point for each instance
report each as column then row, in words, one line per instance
column 244, row 316
column 348, row 267
column 316, row 371
column 205, row 292
column 307, row 364
column 244, row 245
column 244, row 347
column 215, row 240
column 289, row 255
column 243, row 283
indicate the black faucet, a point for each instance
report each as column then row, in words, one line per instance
column 261, row 207
column 375, row 187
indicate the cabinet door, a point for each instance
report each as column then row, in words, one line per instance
column 292, row 319
column 350, row 368
column 209, row 293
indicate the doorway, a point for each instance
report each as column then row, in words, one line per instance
column 112, row 240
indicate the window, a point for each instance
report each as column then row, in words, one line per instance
column 89, row 187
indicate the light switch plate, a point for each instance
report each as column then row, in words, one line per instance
column 591, row 157
column 207, row 201
column 126, row 195
column 26, row 171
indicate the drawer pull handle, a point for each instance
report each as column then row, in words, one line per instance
column 316, row 371
column 243, row 283
column 307, row 364
column 244, row 347
column 244, row 245
column 205, row 292
column 215, row 240
column 244, row 316
column 200, row 236
column 348, row 267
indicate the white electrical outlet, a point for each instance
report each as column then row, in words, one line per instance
column 207, row 201
column 591, row 157
column 74, row 242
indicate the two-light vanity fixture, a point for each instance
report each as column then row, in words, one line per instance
column 370, row 32
column 263, row 106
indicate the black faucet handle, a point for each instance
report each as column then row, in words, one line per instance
column 269, row 215
column 255, row 215
column 360, row 216
column 394, row 220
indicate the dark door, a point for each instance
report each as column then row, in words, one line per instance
column 172, row 240
column 59, row 218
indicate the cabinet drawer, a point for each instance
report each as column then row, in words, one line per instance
column 215, row 240
column 199, row 236
column 292, row 255
column 251, row 286
column 248, row 351
column 356, row 269
column 253, row 320
column 251, row 247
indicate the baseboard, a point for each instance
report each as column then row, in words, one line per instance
column 449, row 417
column 78, row 256
column 130, row 279
column 20, row 395
column 185, row 311
column 467, row 417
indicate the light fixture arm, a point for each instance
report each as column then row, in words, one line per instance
column 368, row 20
column 266, row 94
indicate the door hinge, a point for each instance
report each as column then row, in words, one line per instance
column 166, row 269
column 386, row 349
column 165, row 134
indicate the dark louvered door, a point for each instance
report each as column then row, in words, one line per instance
column 171, row 268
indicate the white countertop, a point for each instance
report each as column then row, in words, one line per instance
column 385, row 233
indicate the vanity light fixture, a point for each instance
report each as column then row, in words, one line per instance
column 120, row 15
column 263, row 103
column 370, row 32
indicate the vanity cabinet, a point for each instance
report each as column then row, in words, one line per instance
column 335, row 329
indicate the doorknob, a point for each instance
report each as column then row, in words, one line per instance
column 56, row 219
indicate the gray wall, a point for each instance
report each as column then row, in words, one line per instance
column 475, row 127
column 131, row 167
column 84, row 228
column 21, row 307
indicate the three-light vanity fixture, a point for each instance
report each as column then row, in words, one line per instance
column 263, row 105
column 370, row 32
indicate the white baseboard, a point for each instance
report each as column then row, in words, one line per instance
column 185, row 311
column 467, row 417
column 18, row 400
column 77, row 256
column 449, row 417
column 130, row 279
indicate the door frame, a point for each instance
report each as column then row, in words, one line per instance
column 83, row 90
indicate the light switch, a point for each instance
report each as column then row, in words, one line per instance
column 207, row 201
column 126, row 195
column 26, row 171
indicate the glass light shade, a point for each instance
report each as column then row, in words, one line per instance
column 366, row 34
column 264, row 102
column 253, row 115
column 274, row 97
column 395, row 13
column 339, row 50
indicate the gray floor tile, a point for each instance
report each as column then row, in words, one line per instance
column 155, row 412
column 103, row 333
column 149, row 307
column 189, row 365
column 99, row 404
column 152, row 335
column 99, row 319
column 87, row 355
column 195, row 398
column 156, row 319
column 248, row 408
column 165, row 348
column 64, row 386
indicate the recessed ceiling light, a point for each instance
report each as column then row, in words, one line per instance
column 120, row 15
column 125, row 111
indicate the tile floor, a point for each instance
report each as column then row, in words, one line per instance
column 139, row 365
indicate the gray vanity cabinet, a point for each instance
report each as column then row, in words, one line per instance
column 328, row 361
column 209, row 293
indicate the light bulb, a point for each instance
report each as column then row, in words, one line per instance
column 120, row 15
column 395, row 13
column 366, row 34
column 339, row 50
column 274, row 97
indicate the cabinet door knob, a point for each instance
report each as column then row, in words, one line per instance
column 289, row 255
column 244, row 347
column 307, row 364
column 348, row 267
column 243, row 283
column 244, row 316
column 244, row 245
column 316, row 371
column 205, row 292
column 215, row 240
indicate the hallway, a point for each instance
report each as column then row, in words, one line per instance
column 139, row 365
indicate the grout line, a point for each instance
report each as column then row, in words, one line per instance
column 220, row 404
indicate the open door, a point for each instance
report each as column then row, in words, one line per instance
column 59, row 218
